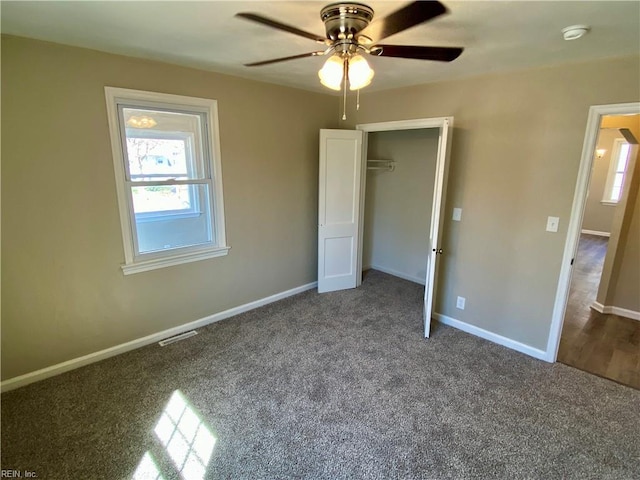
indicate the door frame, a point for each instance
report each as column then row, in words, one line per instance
column 442, row 170
column 596, row 112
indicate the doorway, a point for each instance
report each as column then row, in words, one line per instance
column 596, row 332
column 400, row 179
column 434, row 182
column 342, row 189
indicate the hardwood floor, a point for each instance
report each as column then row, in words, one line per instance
column 605, row 345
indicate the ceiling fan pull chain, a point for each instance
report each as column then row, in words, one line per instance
column 358, row 99
column 344, row 96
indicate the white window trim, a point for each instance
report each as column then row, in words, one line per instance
column 611, row 173
column 157, row 260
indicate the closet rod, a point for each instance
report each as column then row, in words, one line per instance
column 388, row 165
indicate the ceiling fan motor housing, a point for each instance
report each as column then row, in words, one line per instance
column 344, row 20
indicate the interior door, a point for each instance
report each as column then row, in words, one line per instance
column 339, row 208
column 435, row 250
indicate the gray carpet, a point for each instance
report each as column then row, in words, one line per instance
column 332, row 386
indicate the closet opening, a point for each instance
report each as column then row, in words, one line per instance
column 400, row 178
column 402, row 199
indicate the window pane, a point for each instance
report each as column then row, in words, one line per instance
column 616, row 188
column 160, row 226
column 615, row 194
column 622, row 158
column 617, row 180
column 157, row 159
column 162, row 145
column 162, row 198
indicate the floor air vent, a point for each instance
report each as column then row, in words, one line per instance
column 177, row 338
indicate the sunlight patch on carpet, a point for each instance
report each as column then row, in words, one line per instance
column 147, row 469
column 186, row 439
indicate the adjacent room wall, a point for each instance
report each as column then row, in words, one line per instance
column 620, row 282
column 598, row 217
column 63, row 292
column 398, row 203
column 626, row 292
column 516, row 149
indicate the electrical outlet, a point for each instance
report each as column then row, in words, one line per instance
column 460, row 303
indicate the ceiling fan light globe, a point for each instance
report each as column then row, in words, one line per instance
column 331, row 73
column 360, row 73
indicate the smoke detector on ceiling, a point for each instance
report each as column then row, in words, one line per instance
column 575, row 31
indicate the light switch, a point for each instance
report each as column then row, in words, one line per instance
column 552, row 224
column 457, row 214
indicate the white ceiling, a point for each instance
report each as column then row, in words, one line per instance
column 497, row 35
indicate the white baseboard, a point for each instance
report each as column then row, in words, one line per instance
column 72, row 364
column 492, row 337
column 402, row 275
column 596, row 232
column 621, row 312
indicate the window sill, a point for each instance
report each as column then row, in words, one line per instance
column 609, row 204
column 169, row 261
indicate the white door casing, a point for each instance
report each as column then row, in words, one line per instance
column 339, row 207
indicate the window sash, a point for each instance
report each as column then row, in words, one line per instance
column 163, row 252
column 198, row 155
column 194, row 211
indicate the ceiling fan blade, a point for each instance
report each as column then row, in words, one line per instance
column 254, row 17
column 283, row 59
column 441, row 54
column 413, row 14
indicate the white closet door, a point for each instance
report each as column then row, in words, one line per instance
column 339, row 209
column 434, row 233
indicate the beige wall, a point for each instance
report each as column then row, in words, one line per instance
column 63, row 293
column 598, row 217
column 398, row 203
column 516, row 148
column 515, row 154
column 620, row 281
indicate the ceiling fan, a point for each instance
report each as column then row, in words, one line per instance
column 351, row 32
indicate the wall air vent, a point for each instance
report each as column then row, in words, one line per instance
column 177, row 338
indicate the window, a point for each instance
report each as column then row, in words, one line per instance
column 166, row 156
column 617, row 168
